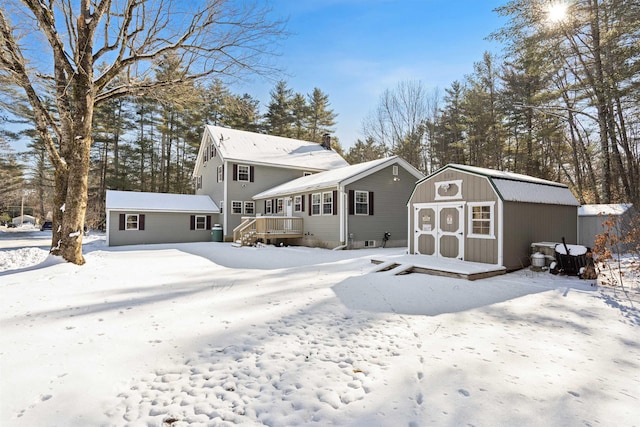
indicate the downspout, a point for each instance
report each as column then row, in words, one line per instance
column 107, row 225
column 343, row 219
column 500, row 232
column 224, row 199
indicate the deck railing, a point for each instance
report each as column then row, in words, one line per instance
column 267, row 227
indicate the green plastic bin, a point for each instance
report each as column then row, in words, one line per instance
column 216, row 233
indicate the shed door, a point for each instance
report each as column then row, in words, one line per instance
column 439, row 229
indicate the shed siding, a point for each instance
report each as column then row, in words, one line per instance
column 474, row 189
column 389, row 208
column 160, row 227
column 526, row 223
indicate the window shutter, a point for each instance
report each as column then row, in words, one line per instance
column 122, row 222
column 310, row 204
column 141, row 222
column 235, row 172
column 251, row 171
column 193, row 222
column 370, row 202
column 335, row 202
column 208, row 222
column 302, row 202
column 352, row 202
column 213, row 151
column 265, row 206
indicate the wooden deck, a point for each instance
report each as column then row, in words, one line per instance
column 267, row 228
column 405, row 264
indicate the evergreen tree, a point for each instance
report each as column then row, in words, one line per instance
column 278, row 119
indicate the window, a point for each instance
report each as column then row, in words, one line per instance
column 268, row 207
column 481, row 220
column 280, row 206
column 249, row 208
column 236, row 208
column 297, row 204
column 315, row 204
column 307, row 173
column 395, row 170
column 201, row 222
column 220, row 173
column 198, row 182
column 362, row 202
column 132, row 222
column 327, row 203
column 243, row 173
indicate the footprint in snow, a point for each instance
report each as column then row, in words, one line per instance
column 464, row 392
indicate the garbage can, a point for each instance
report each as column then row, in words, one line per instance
column 216, row 233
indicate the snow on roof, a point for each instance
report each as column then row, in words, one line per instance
column 159, row 202
column 273, row 150
column 515, row 187
column 604, row 209
column 529, row 192
column 334, row 177
column 504, row 175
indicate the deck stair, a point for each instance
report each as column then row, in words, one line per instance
column 265, row 228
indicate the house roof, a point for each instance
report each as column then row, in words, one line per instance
column 261, row 149
column 159, row 202
column 514, row 187
column 604, row 209
column 332, row 178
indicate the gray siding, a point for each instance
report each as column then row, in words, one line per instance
column 389, row 208
column 160, row 227
column 265, row 177
column 526, row 223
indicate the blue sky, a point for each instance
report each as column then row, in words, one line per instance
column 353, row 50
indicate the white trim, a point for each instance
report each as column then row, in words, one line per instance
column 204, row 225
column 436, row 232
column 322, row 212
column 343, row 201
column 231, row 211
column 492, row 233
column 248, row 173
column 108, row 225
column 447, row 184
column 126, row 222
column 500, row 233
column 244, row 207
column 355, row 202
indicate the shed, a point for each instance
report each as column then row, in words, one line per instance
column 23, row 219
column 591, row 220
column 483, row 215
column 140, row 218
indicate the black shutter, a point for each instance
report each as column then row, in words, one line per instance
column 235, row 172
column 370, row 202
column 193, row 222
column 122, row 220
column 208, row 222
column 251, row 171
column 265, row 206
column 352, row 202
column 335, row 202
column 310, row 204
column 141, row 222
column 213, row 151
column 302, row 202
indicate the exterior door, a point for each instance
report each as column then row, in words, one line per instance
column 288, row 206
column 439, row 229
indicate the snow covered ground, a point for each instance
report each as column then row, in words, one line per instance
column 207, row 334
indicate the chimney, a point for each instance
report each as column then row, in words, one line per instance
column 326, row 141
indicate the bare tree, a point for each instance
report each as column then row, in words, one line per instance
column 126, row 37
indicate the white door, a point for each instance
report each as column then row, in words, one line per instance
column 288, row 206
column 439, row 229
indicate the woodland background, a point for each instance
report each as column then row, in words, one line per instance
column 561, row 102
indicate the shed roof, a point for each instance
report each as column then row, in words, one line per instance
column 257, row 148
column 340, row 176
column 159, row 202
column 604, row 209
column 515, row 187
